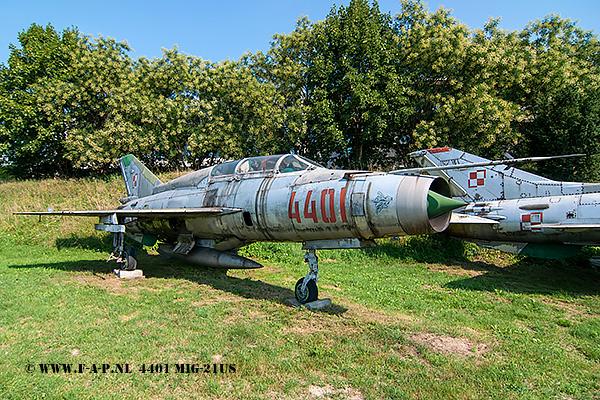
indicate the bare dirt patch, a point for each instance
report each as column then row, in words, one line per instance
column 572, row 311
column 500, row 299
column 437, row 289
column 214, row 296
column 108, row 282
column 246, row 316
column 364, row 314
column 329, row 392
column 321, row 323
column 460, row 347
column 125, row 318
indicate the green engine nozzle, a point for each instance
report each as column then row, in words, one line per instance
column 438, row 204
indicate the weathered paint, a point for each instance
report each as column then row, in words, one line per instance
column 269, row 198
column 310, row 204
column 528, row 220
column 495, row 182
column 573, row 220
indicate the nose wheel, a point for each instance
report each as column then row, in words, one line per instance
column 306, row 288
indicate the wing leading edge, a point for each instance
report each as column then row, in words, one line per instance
column 144, row 213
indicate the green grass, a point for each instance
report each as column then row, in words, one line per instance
column 425, row 317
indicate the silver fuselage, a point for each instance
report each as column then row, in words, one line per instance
column 299, row 206
column 572, row 219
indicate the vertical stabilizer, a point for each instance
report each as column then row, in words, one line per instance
column 494, row 182
column 139, row 181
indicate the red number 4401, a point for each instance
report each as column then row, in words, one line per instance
column 310, row 206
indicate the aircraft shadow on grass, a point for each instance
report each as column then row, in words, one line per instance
column 574, row 277
column 156, row 266
column 530, row 276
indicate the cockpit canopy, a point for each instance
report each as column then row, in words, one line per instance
column 247, row 167
column 264, row 164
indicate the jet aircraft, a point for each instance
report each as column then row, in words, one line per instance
column 513, row 210
column 203, row 217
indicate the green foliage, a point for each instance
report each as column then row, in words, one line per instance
column 564, row 99
column 94, row 102
column 454, row 98
column 285, row 66
column 238, row 115
column 360, row 89
column 164, row 111
column 31, row 140
column 412, row 318
column 358, row 92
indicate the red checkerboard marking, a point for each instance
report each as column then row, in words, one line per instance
column 477, row 178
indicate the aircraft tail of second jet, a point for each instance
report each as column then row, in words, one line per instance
column 139, row 181
column 480, row 182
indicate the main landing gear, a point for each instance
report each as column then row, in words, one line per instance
column 125, row 256
column 306, row 288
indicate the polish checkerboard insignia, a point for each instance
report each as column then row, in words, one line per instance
column 477, row 178
column 529, row 221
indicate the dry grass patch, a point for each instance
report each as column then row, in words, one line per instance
column 572, row 311
column 459, row 347
column 125, row 318
column 362, row 314
column 330, row 392
column 461, row 269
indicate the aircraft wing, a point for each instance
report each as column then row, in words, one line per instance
column 470, row 219
column 507, row 162
column 144, row 213
column 578, row 227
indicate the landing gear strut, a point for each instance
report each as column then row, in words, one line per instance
column 306, row 288
column 125, row 256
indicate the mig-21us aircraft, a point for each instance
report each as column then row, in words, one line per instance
column 514, row 210
column 205, row 216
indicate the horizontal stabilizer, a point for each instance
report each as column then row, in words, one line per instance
column 156, row 213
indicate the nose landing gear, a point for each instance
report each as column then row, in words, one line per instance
column 306, row 288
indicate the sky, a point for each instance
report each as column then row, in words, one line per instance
column 219, row 29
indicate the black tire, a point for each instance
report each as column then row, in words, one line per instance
column 312, row 293
column 130, row 258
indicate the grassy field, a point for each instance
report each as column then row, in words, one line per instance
column 421, row 318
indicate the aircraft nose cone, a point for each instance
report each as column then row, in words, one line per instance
column 438, row 204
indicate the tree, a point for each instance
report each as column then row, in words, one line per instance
column 168, row 108
column 562, row 98
column 285, row 66
column 237, row 115
column 356, row 90
column 359, row 89
column 454, row 95
column 31, row 141
column 94, row 101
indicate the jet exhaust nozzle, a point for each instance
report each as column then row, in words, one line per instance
column 438, row 204
column 209, row 257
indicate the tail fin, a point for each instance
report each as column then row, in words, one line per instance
column 494, row 182
column 139, row 181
